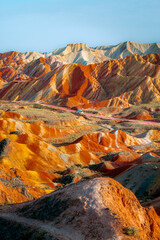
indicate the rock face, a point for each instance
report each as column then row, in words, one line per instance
column 94, row 209
column 83, row 86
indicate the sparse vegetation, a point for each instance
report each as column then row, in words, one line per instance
column 7, row 203
column 65, row 180
column 131, row 231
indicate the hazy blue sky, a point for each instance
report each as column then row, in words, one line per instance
column 44, row 25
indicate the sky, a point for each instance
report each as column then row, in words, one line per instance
column 45, row 25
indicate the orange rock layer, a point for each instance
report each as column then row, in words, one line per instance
column 117, row 82
column 34, row 152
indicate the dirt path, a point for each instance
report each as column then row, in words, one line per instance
column 108, row 118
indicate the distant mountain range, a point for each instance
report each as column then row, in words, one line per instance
column 82, row 54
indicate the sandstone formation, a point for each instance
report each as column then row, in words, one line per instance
column 83, row 86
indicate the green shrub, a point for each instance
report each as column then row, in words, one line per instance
column 6, row 203
column 131, row 231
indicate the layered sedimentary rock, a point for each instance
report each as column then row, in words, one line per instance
column 120, row 82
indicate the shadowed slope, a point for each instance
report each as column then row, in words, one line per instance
column 110, row 211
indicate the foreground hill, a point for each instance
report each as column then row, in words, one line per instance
column 94, row 209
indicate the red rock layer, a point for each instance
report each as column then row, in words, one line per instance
column 119, row 82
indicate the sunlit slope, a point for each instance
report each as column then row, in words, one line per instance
column 120, row 82
column 38, row 155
